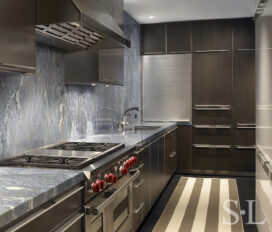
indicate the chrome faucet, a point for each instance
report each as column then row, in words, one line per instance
column 124, row 121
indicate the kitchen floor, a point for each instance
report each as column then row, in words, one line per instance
column 246, row 190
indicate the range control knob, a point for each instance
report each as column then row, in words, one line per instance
column 127, row 164
column 108, row 178
column 95, row 187
column 114, row 179
column 123, row 170
column 135, row 159
column 101, row 184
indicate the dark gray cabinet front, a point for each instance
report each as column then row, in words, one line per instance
column 153, row 39
column 212, row 35
column 179, row 37
column 212, row 78
column 243, row 34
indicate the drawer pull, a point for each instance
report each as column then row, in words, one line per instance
column 212, row 127
column 139, row 184
column 206, row 146
column 213, row 107
column 268, row 167
column 245, row 147
column 246, row 126
column 179, row 52
column 139, row 209
column 172, row 155
column 210, row 51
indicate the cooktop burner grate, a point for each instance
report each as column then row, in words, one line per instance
column 74, row 146
column 46, row 161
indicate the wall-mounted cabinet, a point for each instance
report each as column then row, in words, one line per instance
column 212, row 35
column 179, row 37
column 17, row 36
column 153, row 39
column 243, row 29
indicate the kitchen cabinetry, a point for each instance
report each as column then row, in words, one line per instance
column 184, row 148
column 170, row 154
column 243, row 34
column 212, row 79
column 212, row 35
column 153, row 39
column 244, row 110
column 61, row 214
column 179, row 37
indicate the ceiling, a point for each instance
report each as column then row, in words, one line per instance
column 182, row 10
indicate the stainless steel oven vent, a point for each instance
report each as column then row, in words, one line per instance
column 71, row 33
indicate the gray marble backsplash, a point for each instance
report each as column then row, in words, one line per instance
column 39, row 109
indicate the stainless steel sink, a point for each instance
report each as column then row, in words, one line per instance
column 143, row 128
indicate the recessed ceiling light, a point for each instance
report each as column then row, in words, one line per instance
column 151, row 17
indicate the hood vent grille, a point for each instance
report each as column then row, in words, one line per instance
column 72, row 33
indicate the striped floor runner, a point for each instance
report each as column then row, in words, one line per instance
column 197, row 205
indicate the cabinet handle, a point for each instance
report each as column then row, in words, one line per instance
column 245, row 147
column 139, row 209
column 245, row 126
column 211, row 51
column 180, row 52
column 206, row 146
column 267, row 166
column 172, row 155
column 153, row 53
column 212, row 107
column 212, row 127
column 139, row 184
column 245, row 50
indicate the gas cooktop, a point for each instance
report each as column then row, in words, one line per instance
column 70, row 155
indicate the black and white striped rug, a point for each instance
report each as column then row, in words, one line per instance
column 202, row 205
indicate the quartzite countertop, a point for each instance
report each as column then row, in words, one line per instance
column 24, row 189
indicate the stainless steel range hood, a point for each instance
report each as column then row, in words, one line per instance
column 80, row 24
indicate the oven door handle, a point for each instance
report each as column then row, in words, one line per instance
column 90, row 209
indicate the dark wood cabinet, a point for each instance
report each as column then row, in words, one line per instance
column 243, row 34
column 244, row 159
column 153, row 37
column 212, row 35
column 212, row 158
column 179, row 37
column 212, row 78
column 184, row 148
column 244, row 87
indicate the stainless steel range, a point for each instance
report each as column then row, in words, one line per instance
column 108, row 195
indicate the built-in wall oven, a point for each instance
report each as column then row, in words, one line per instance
column 112, row 210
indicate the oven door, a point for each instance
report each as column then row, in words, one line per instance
column 111, row 210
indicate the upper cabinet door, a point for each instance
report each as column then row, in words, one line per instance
column 179, row 37
column 212, row 35
column 244, row 34
column 212, row 78
column 153, row 39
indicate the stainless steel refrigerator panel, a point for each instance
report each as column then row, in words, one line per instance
column 167, row 87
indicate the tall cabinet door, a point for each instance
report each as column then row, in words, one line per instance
column 212, row 78
column 244, row 110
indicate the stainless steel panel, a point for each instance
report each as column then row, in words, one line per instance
column 17, row 36
column 167, row 87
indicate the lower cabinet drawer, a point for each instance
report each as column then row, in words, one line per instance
column 244, row 158
column 212, row 158
column 138, row 216
column 212, row 117
column 213, row 135
column 52, row 214
column 244, row 136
